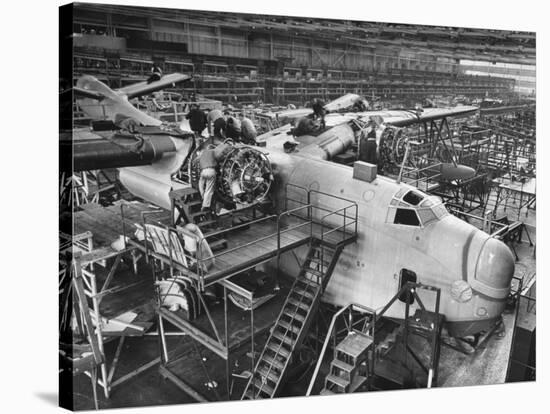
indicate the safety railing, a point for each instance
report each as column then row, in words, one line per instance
column 409, row 293
column 422, row 178
column 330, row 220
column 361, row 317
column 197, row 265
column 348, row 215
column 486, row 223
column 311, row 220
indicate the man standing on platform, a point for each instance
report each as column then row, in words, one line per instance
column 207, row 180
column 208, row 161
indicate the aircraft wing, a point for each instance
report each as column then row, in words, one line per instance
column 88, row 94
column 144, row 88
column 342, row 102
column 91, row 150
column 403, row 118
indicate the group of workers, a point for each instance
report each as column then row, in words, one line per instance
column 222, row 125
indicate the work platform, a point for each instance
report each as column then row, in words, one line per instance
column 185, row 267
column 102, row 289
column 248, row 244
column 252, row 243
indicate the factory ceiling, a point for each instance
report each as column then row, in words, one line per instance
column 502, row 46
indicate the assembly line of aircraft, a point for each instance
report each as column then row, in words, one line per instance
column 399, row 227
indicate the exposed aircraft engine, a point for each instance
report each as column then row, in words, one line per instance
column 391, row 148
column 244, row 175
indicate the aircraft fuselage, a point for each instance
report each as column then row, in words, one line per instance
column 441, row 249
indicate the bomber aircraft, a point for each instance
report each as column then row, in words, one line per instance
column 399, row 227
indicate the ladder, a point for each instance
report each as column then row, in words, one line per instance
column 293, row 323
column 347, row 371
column 191, row 209
column 188, row 203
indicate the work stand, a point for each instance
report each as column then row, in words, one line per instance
column 101, row 296
column 193, row 284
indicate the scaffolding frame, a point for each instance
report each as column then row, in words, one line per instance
column 319, row 225
column 80, row 276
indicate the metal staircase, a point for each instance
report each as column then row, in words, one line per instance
column 350, row 367
column 294, row 320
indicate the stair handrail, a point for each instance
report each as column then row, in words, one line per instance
column 328, row 338
column 286, row 332
column 258, row 362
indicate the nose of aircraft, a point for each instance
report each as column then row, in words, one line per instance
column 495, row 265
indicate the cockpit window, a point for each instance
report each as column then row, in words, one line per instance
column 426, row 215
column 412, row 208
column 400, row 193
column 413, row 198
column 428, row 202
column 440, row 211
column 407, row 217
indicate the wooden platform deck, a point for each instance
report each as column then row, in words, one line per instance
column 251, row 245
column 258, row 243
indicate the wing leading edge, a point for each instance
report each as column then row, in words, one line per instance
column 144, row 88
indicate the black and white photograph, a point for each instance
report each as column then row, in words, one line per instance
column 255, row 206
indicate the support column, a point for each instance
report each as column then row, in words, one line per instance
column 219, row 35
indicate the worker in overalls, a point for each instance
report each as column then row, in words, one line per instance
column 207, row 180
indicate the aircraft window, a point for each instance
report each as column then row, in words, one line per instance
column 407, row 217
column 426, row 215
column 440, row 211
column 400, row 193
column 413, row 198
column 427, row 203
